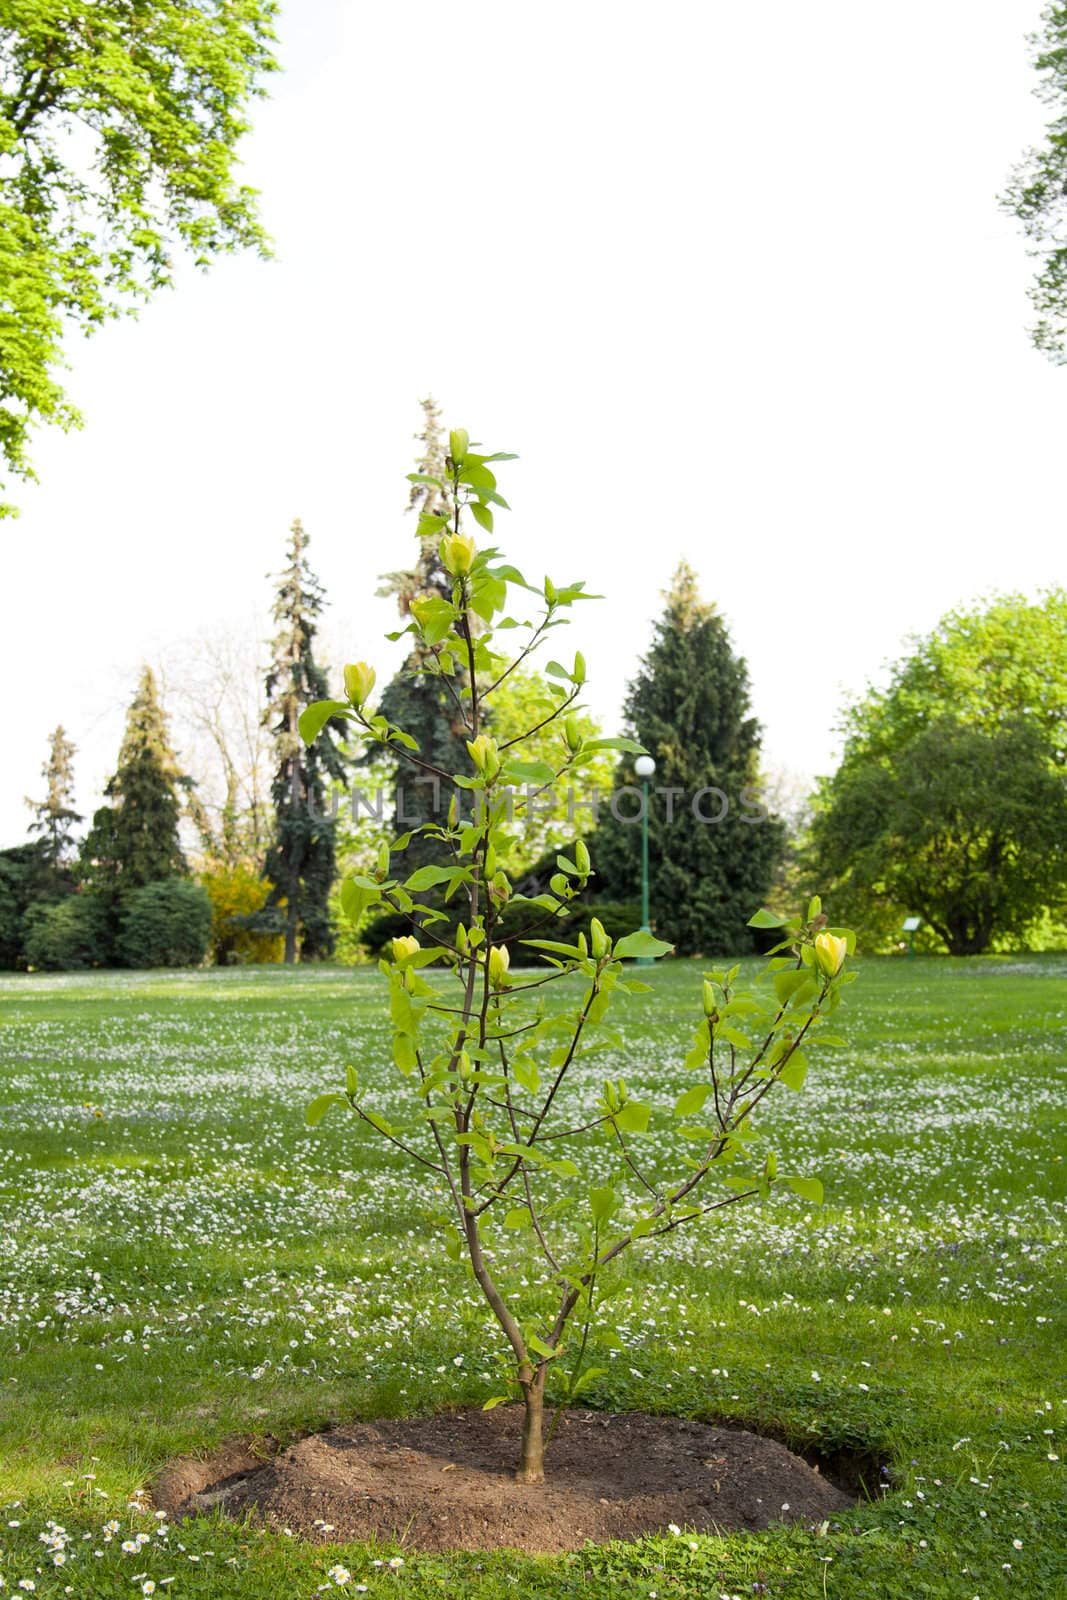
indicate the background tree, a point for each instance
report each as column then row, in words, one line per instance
column 417, row 698
column 991, row 669
column 89, row 227
column 1037, row 192
column 54, row 817
column 689, row 707
column 966, row 828
column 134, row 839
column 300, row 861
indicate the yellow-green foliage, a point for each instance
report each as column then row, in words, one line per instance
column 237, row 891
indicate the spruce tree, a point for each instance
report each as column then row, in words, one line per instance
column 712, row 852
column 300, row 859
column 133, row 839
column 54, row 817
column 417, row 698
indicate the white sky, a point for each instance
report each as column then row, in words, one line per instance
column 731, row 279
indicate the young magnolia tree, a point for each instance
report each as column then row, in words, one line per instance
column 486, row 1059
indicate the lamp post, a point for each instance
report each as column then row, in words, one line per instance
column 644, row 766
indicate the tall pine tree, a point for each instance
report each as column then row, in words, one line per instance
column 54, row 817
column 422, row 704
column 300, row 859
column 689, row 707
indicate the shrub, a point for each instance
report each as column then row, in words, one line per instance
column 237, row 892
column 67, row 935
column 165, row 924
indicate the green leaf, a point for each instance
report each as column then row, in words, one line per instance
column 629, row 745
column 355, row 899
column 584, row 1379
column 526, row 1075
column 434, row 616
column 633, row 1118
column 528, row 772
column 641, row 943
column 541, row 1347
column 518, row 1218
column 404, row 1052
column 766, row 919
column 429, row 878
column 794, row 1072
column 497, row 1400
column 319, row 1107
column 603, row 1202
column 808, row 1189
column 482, row 515
column 314, row 717
column 692, row 1100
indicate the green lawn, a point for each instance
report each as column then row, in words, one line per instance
column 184, row 1260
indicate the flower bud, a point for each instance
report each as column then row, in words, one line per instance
column 359, row 681
column 711, row 1005
column 405, row 947
column 572, row 733
column 830, row 953
column 499, row 962
column 457, row 552
column 599, row 943
column 483, row 753
column 579, row 667
column 581, row 858
column 458, row 444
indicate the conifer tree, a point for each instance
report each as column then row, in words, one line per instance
column 418, row 699
column 134, row 840
column 54, row 816
column 712, row 849
column 300, row 859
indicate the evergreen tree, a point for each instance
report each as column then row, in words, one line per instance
column 712, row 851
column 418, row 699
column 300, row 859
column 55, row 816
column 133, row 839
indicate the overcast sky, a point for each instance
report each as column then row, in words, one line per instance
column 731, row 279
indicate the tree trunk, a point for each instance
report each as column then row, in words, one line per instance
column 290, row 931
column 532, row 1465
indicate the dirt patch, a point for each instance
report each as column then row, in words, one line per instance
column 447, row 1482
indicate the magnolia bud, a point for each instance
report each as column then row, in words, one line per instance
column 711, row 1006
column 572, row 733
column 579, row 667
column 458, row 445
column 830, row 953
column 771, row 1167
column 581, row 858
column 499, row 962
column 599, row 942
column 483, row 753
column 457, row 552
column 453, row 811
column 582, row 945
column 359, row 681
column 405, row 947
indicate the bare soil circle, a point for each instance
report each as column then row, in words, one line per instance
column 446, row 1482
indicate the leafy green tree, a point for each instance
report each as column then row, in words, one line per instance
column 1037, row 192
column 89, row 225
column 542, row 1189
column 987, row 667
column 166, row 924
column 54, row 817
column 966, row 828
column 134, row 839
column 26, row 878
column 713, row 849
column 990, row 669
column 300, row 860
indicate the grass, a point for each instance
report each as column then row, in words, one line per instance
column 184, row 1260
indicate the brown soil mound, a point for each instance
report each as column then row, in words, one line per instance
column 447, row 1482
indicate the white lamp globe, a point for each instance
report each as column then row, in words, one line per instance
column 644, row 766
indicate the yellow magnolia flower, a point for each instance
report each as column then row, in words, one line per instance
column 830, row 953
column 405, row 947
column 359, row 681
column 499, row 962
column 457, row 552
column 483, row 753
